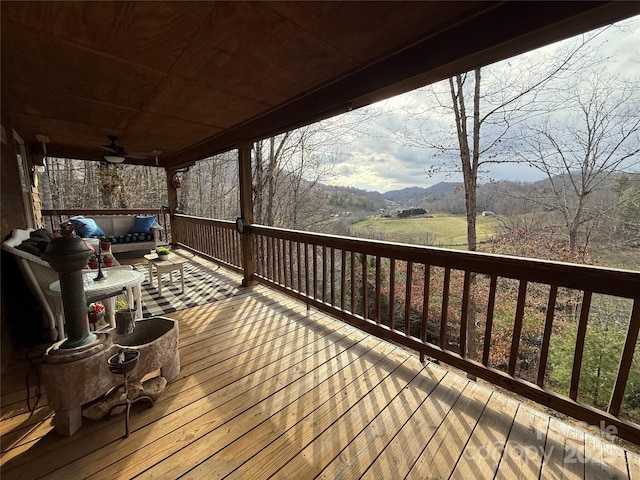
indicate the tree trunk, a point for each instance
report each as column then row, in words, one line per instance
column 45, row 188
column 469, row 165
column 271, row 184
column 258, row 184
column 184, row 192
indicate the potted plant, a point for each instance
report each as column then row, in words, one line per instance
column 163, row 253
column 95, row 312
column 107, row 259
column 105, row 244
column 93, row 262
column 124, row 318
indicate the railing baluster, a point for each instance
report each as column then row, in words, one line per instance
column 426, row 276
column 377, row 296
column 324, row 274
column 517, row 327
column 464, row 313
column 282, row 275
column 298, row 267
column 285, row 272
column 265, row 253
column 225, row 246
column 216, row 241
column 546, row 336
column 392, row 290
column 626, row 360
column 489, row 323
column 352, row 260
column 445, row 306
column 306, row 269
column 365, row 305
column 272, row 255
column 291, row 264
column 286, row 262
column 315, row 271
column 333, row 276
column 407, row 298
column 343, row 276
column 580, row 337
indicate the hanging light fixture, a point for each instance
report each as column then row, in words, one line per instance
column 114, row 158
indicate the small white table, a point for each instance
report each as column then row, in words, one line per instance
column 116, row 278
column 173, row 263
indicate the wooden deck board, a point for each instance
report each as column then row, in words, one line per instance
column 405, row 448
column 365, row 448
column 633, row 465
column 444, row 449
column 524, row 451
column 483, row 451
column 308, row 428
column 268, row 389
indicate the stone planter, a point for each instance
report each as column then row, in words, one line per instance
column 163, row 257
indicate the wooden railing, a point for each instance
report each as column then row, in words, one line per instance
column 495, row 317
column 216, row 240
column 53, row 218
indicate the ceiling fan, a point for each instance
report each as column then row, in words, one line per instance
column 116, row 153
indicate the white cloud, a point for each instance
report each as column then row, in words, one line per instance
column 374, row 158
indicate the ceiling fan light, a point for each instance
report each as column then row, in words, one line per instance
column 114, row 158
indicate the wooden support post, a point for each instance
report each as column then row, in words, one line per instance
column 172, row 194
column 246, row 212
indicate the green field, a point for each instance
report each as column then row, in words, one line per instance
column 441, row 230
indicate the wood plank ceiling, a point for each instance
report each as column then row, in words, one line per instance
column 190, row 79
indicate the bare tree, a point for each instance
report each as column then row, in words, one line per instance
column 214, row 186
column 484, row 106
column 286, row 172
column 310, row 162
column 484, row 113
column 579, row 148
column 269, row 154
column 76, row 184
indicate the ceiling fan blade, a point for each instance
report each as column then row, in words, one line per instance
column 140, row 155
column 109, row 148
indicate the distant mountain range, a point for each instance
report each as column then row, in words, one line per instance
column 499, row 196
column 413, row 195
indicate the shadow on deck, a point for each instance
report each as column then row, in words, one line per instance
column 270, row 390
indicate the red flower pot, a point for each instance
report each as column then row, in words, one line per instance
column 95, row 317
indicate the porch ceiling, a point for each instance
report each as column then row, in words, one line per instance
column 194, row 78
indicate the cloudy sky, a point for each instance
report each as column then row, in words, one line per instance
column 374, row 153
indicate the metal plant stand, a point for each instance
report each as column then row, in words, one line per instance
column 121, row 364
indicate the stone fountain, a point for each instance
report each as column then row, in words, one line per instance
column 75, row 370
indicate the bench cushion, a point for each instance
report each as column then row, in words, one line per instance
column 143, row 224
column 87, row 227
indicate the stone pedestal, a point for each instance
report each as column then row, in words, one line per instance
column 76, row 376
column 73, row 376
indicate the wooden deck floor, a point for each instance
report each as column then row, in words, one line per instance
column 268, row 390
